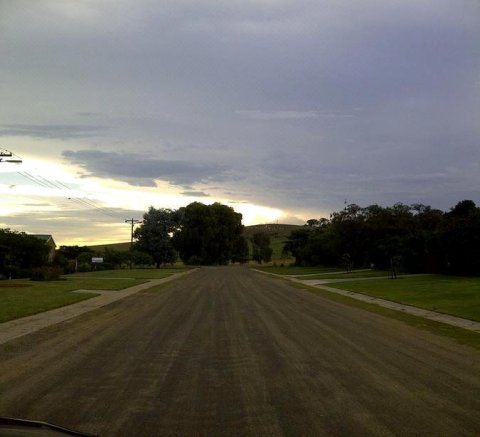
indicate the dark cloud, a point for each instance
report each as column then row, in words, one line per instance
column 142, row 170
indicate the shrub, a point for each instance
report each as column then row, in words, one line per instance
column 194, row 260
column 47, row 273
column 84, row 267
column 104, row 266
column 14, row 272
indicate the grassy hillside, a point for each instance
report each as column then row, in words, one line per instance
column 278, row 235
column 121, row 247
column 274, row 230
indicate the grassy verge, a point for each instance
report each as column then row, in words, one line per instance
column 294, row 270
column 353, row 274
column 132, row 274
column 24, row 298
column 462, row 336
column 458, row 296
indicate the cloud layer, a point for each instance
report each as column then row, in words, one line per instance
column 60, row 131
column 138, row 169
column 296, row 105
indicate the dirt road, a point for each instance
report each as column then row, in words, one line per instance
column 226, row 351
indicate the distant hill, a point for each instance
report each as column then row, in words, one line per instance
column 274, row 230
column 278, row 235
column 121, row 247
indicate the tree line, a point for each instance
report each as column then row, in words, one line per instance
column 415, row 238
column 198, row 234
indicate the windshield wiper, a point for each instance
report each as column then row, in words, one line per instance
column 10, row 427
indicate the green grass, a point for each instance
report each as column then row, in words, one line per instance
column 294, row 270
column 460, row 335
column 133, row 274
column 458, row 296
column 120, row 247
column 353, row 274
column 20, row 298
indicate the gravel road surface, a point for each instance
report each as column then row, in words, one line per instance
column 227, row 351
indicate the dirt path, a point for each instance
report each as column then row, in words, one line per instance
column 226, row 351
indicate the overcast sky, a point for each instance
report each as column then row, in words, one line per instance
column 283, row 108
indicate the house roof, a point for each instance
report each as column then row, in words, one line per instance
column 46, row 237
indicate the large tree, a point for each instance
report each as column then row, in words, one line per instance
column 21, row 251
column 72, row 252
column 261, row 250
column 209, row 234
column 240, row 251
column 68, row 257
column 460, row 239
column 154, row 235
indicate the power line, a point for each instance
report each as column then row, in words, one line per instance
column 88, row 202
column 63, row 185
column 46, row 183
column 91, row 204
column 57, row 185
column 52, row 184
column 32, row 179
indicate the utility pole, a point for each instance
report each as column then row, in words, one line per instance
column 133, row 222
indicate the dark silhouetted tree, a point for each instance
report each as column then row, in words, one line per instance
column 261, row 250
column 240, row 251
column 154, row 235
column 460, row 239
column 21, row 251
column 208, row 234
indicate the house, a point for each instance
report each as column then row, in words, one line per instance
column 49, row 241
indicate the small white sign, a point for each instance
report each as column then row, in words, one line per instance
column 97, row 260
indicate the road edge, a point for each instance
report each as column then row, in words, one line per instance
column 462, row 335
column 26, row 325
